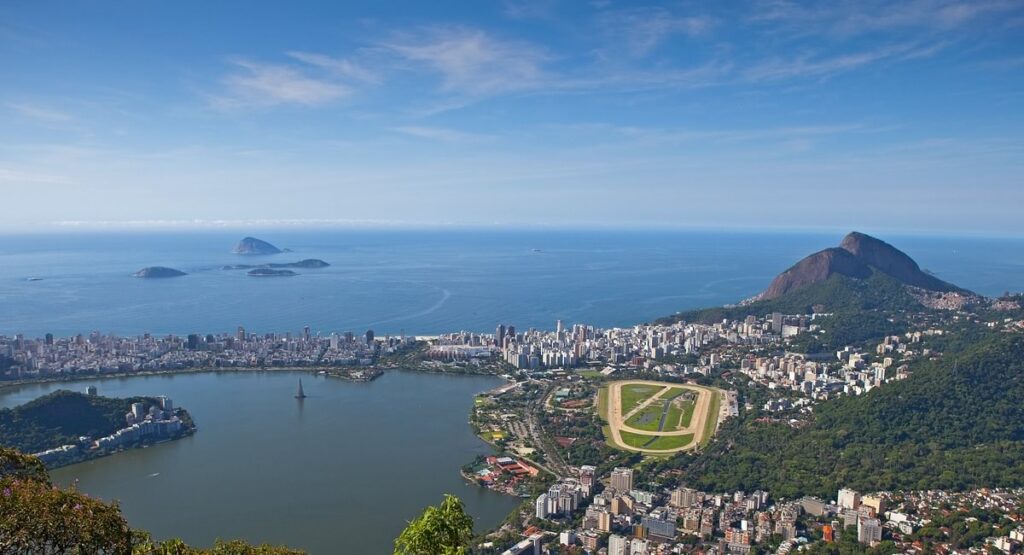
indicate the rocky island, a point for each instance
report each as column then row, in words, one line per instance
column 158, row 272
column 252, row 245
column 270, row 272
column 307, row 263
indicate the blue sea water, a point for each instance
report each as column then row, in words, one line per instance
column 424, row 282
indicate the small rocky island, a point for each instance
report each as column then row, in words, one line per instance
column 159, row 272
column 271, row 272
column 252, row 245
column 307, row 263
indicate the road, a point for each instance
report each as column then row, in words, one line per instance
column 556, row 464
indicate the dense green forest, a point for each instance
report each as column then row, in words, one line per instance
column 61, row 418
column 957, row 423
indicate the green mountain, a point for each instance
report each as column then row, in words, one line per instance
column 862, row 274
column 956, row 423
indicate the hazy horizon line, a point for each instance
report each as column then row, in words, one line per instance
column 313, row 224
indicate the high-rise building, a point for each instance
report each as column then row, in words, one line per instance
column 369, row 337
column 869, row 530
column 558, row 327
column 777, row 322
column 241, row 334
column 622, row 479
column 587, row 473
column 848, row 499
column 305, row 334
column 499, row 337
column 541, row 506
column 618, row 545
column 683, row 498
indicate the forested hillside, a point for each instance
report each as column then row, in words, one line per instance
column 956, row 423
column 61, row 418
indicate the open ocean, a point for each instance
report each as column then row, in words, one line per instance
column 424, row 282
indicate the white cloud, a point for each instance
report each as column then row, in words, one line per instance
column 264, row 84
column 41, row 113
column 644, row 29
column 472, row 62
column 808, row 65
column 849, row 18
column 441, row 134
column 342, row 67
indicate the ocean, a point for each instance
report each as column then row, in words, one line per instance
column 423, row 282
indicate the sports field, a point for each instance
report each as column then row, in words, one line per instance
column 658, row 418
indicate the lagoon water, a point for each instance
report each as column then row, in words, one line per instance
column 423, row 282
column 339, row 472
column 344, row 470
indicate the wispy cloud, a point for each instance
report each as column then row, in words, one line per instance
column 442, row 134
column 472, row 62
column 255, row 83
column 528, row 9
column 342, row 67
column 18, row 177
column 644, row 29
column 810, row 65
column 41, row 113
column 849, row 18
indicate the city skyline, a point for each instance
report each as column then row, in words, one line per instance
column 896, row 116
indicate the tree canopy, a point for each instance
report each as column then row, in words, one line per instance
column 442, row 530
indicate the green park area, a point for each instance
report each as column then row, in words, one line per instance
column 634, row 394
column 659, row 442
column 712, row 419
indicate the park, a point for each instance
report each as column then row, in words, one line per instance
column 658, row 418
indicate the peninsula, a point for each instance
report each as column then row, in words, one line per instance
column 66, row 427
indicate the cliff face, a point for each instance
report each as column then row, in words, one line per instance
column 857, row 256
column 817, row 268
column 892, row 261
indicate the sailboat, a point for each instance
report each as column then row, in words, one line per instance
column 300, row 394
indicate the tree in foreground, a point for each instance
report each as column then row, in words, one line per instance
column 442, row 530
column 38, row 517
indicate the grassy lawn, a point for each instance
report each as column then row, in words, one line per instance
column 709, row 426
column 661, row 442
column 602, row 403
column 634, row 440
column 685, row 414
column 671, row 442
column 590, row 373
column 673, row 393
column 633, row 395
column 648, row 418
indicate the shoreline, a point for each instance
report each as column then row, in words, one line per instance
column 374, row 370
column 10, row 384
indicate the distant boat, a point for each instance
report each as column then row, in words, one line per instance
column 34, row 279
column 300, row 394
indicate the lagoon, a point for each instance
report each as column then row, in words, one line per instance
column 339, row 472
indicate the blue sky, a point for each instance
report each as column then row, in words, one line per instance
column 875, row 115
